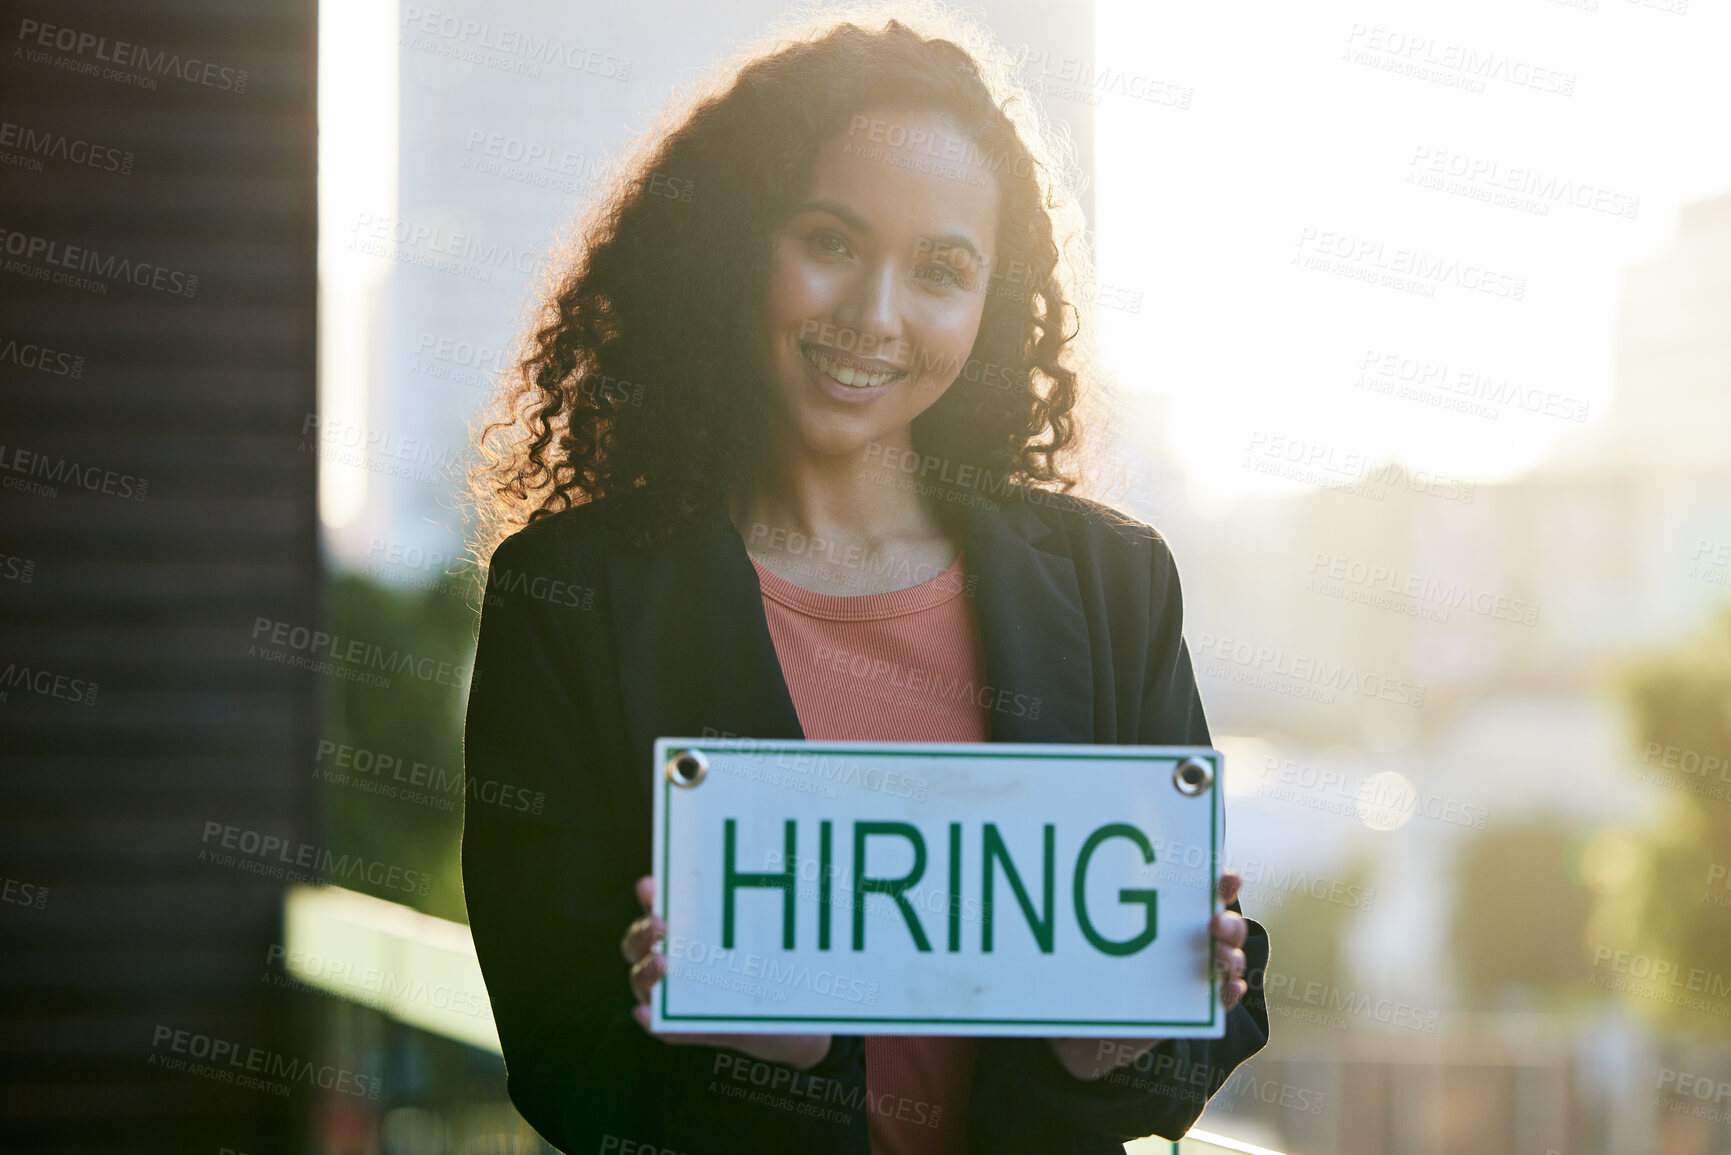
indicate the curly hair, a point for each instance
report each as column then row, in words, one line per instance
column 642, row 370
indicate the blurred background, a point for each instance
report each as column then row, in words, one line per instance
column 1419, row 324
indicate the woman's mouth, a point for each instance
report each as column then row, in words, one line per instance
column 837, row 368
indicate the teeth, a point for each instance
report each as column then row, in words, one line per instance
column 846, row 374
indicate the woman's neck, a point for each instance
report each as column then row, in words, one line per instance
column 830, row 523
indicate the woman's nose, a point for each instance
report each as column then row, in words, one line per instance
column 873, row 304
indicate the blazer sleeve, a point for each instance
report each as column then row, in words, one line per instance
column 546, row 904
column 549, row 883
column 1163, row 1093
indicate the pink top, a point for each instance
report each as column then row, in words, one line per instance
column 905, row 666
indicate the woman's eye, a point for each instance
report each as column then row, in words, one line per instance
column 939, row 273
column 828, row 242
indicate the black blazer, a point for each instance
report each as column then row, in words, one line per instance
column 590, row 649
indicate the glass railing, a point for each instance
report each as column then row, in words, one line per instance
column 415, row 968
column 1195, row 1143
column 422, row 971
column 1206, row 1143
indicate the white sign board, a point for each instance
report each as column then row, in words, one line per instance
column 939, row 889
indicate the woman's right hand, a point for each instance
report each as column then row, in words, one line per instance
column 648, row 966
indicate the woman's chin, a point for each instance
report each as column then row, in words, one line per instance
column 829, row 437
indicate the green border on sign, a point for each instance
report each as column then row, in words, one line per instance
column 755, row 746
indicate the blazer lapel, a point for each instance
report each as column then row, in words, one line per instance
column 692, row 642
column 695, row 654
column 1035, row 635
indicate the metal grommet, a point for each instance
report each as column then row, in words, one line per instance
column 1193, row 776
column 687, row 767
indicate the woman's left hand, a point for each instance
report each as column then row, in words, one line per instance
column 1230, row 929
column 1088, row 1059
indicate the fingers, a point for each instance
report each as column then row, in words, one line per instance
column 1231, row 882
column 638, row 945
column 641, row 937
column 1229, row 962
column 1230, row 927
column 645, row 973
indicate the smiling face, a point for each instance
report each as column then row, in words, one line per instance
column 878, row 280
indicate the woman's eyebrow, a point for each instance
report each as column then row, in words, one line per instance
column 955, row 241
column 850, row 217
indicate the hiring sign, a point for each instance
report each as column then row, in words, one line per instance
column 944, row 889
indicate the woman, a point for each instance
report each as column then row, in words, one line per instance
column 806, row 390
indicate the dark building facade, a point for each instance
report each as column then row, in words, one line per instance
column 157, row 352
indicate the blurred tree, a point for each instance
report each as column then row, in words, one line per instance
column 1517, row 915
column 1670, row 907
column 401, row 802
column 1306, row 934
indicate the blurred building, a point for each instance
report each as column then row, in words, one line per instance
column 1509, row 608
column 1530, row 586
column 156, row 365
